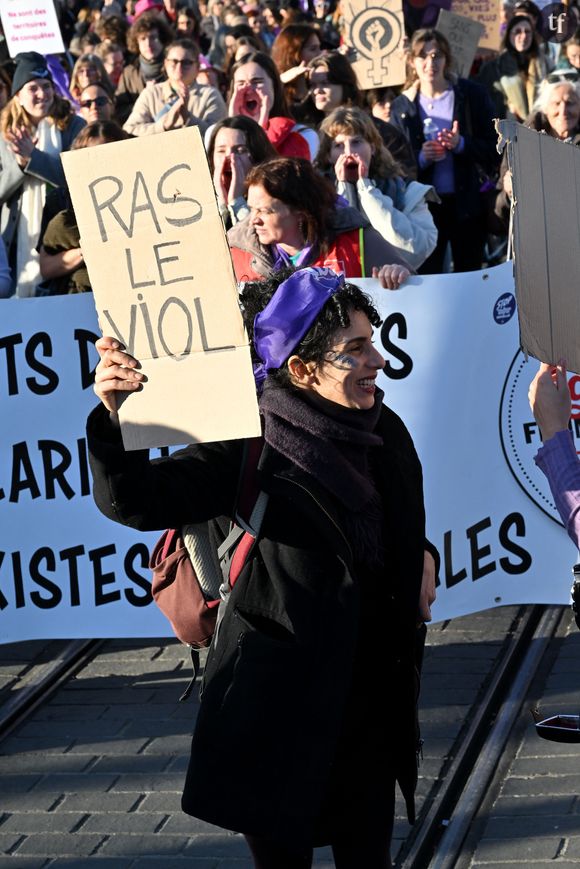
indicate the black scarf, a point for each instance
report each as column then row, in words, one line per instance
column 331, row 443
column 151, row 69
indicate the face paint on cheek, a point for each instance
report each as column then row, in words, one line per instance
column 342, row 360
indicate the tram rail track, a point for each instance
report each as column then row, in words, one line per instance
column 448, row 815
column 438, row 839
column 46, row 680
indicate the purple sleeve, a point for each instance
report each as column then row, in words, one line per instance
column 558, row 460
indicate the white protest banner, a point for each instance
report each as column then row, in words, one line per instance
column 31, row 25
column 65, row 570
column 375, row 32
column 463, row 35
column 455, row 375
column 487, row 12
column 163, row 281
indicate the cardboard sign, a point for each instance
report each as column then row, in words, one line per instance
column 163, row 282
column 463, row 35
column 375, row 33
column 31, row 25
column 487, row 13
column 546, row 216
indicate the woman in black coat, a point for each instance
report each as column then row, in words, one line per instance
column 308, row 714
column 457, row 155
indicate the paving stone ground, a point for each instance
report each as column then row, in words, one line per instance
column 535, row 820
column 94, row 777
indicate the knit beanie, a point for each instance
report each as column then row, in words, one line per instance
column 29, row 65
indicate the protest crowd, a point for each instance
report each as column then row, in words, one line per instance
column 414, row 165
column 314, row 175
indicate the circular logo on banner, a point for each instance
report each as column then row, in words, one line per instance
column 558, row 22
column 520, row 434
column 504, row 308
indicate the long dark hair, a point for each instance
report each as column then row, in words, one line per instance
column 259, row 145
column 335, row 315
column 298, row 185
column 339, row 71
column 280, row 106
column 506, row 44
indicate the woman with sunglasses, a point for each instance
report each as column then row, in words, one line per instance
column 514, row 77
column 449, row 124
column 180, row 101
column 96, row 103
column 294, row 745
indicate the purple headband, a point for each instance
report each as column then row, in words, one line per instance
column 289, row 315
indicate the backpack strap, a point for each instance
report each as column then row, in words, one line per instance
column 248, row 492
column 249, row 513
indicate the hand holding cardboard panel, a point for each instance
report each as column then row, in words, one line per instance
column 546, row 244
column 163, row 282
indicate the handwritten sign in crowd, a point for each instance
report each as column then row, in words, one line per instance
column 163, row 282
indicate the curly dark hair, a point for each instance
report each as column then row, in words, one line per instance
column 147, row 22
column 319, row 339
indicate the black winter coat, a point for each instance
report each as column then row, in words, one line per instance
column 474, row 113
column 278, row 678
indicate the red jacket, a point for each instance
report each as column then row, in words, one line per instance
column 343, row 255
column 286, row 142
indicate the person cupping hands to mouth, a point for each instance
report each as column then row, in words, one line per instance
column 258, row 93
column 236, row 144
column 253, row 94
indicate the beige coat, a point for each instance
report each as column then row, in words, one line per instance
column 205, row 106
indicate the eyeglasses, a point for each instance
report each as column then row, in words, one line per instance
column 99, row 102
column 319, row 83
column 185, row 63
column 521, row 31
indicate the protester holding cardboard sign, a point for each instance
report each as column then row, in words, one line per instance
column 450, row 127
column 36, row 125
column 295, row 219
column 292, row 745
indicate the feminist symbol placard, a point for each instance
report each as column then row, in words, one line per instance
column 376, row 35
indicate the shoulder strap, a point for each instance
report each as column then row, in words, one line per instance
column 248, row 493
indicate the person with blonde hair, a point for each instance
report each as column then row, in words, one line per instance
column 353, row 154
column 35, row 127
